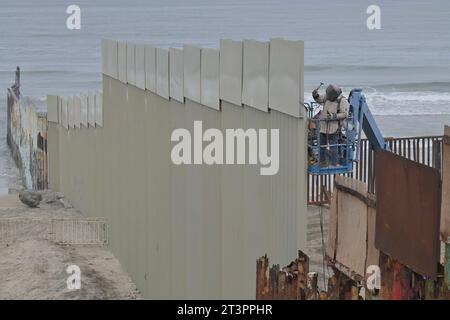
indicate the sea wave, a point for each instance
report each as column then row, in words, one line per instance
column 409, row 103
column 411, row 87
column 406, row 103
column 356, row 67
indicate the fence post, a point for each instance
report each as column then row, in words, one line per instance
column 261, row 278
column 312, row 292
column 437, row 155
column 303, row 269
column 273, row 282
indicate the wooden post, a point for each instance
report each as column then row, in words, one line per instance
column 273, row 282
column 262, row 287
column 333, row 287
column 281, row 285
column 302, row 279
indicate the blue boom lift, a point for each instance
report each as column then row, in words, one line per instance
column 359, row 119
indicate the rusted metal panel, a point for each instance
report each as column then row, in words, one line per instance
column 293, row 282
column 408, row 212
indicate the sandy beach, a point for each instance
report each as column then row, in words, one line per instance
column 35, row 268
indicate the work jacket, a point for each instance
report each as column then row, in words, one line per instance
column 337, row 116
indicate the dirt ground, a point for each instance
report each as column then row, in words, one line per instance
column 35, row 268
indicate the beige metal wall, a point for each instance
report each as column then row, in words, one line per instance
column 445, row 210
column 187, row 231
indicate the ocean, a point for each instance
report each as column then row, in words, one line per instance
column 404, row 68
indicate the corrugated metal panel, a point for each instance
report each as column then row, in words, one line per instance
column 99, row 109
column 255, row 87
column 286, row 76
column 59, row 110
column 77, row 111
column 150, row 68
column 112, row 65
column 64, row 113
column 214, row 221
column 53, row 156
column 91, row 109
column 131, row 63
column 191, row 73
column 110, row 58
column 210, row 78
column 140, row 66
column 71, row 112
column 176, row 74
column 408, row 212
column 84, row 110
column 104, row 47
column 52, row 108
column 122, row 62
column 162, row 72
column 231, row 54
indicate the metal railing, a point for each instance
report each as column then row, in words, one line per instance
column 59, row 230
column 426, row 150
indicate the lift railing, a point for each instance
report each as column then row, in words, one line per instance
column 423, row 149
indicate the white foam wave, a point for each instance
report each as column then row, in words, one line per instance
column 407, row 103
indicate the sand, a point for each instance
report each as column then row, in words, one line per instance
column 34, row 268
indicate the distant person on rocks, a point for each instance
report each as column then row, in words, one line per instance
column 16, row 85
column 335, row 111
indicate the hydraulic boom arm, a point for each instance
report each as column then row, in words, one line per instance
column 367, row 123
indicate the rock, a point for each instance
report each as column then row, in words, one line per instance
column 30, row 198
column 53, row 197
column 65, row 203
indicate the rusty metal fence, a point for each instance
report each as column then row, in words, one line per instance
column 296, row 282
column 426, row 150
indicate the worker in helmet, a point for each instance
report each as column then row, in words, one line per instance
column 335, row 111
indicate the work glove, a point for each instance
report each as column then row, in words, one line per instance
column 331, row 116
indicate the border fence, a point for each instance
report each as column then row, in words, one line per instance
column 426, row 150
column 75, row 231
